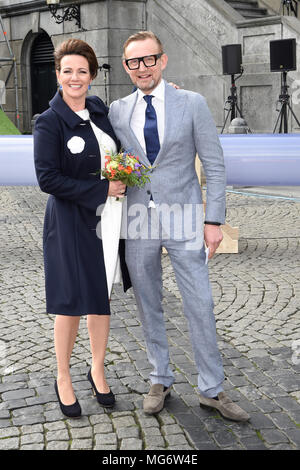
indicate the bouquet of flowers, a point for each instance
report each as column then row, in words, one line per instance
column 125, row 167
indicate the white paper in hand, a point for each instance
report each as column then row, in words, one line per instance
column 206, row 254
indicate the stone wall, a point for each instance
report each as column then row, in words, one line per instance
column 259, row 88
column 105, row 26
column 192, row 31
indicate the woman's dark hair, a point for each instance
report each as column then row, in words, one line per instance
column 77, row 47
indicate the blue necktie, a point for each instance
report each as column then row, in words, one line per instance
column 150, row 131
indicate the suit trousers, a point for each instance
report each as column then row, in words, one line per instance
column 143, row 258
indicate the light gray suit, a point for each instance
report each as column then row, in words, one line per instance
column 189, row 130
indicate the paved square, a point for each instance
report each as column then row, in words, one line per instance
column 256, row 294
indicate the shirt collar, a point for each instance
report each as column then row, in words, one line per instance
column 158, row 92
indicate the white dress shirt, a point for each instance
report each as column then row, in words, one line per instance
column 138, row 116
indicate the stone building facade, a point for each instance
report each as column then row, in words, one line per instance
column 193, row 32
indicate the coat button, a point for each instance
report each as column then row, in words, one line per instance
column 148, row 192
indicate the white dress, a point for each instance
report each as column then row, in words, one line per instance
column 111, row 216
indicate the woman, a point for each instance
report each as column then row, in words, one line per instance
column 70, row 141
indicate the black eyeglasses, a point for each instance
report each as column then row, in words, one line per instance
column 148, row 61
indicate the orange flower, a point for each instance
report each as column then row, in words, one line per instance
column 108, row 158
column 112, row 173
column 128, row 170
column 120, row 167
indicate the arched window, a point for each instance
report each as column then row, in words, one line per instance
column 43, row 77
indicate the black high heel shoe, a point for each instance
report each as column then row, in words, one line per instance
column 71, row 411
column 104, row 399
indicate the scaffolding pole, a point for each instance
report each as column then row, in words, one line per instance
column 12, row 60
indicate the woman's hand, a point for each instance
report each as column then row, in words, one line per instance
column 177, row 87
column 116, row 188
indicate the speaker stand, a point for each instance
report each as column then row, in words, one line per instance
column 284, row 100
column 106, row 68
column 232, row 101
column 290, row 5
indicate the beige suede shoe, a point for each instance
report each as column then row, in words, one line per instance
column 226, row 407
column 154, row 401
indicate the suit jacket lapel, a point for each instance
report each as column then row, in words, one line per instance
column 127, row 115
column 174, row 109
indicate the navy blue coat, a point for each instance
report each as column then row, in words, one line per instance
column 75, row 277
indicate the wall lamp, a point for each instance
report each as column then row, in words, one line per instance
column 71, row 12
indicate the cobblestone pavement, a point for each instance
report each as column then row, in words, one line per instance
column 256, row 294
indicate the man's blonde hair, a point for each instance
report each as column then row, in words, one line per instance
column 141, row 36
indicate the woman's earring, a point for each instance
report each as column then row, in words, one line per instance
column 90, row 86
column 60, row 86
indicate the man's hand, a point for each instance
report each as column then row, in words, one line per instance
column 212, row 236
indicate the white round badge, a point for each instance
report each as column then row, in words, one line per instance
column 76, row 144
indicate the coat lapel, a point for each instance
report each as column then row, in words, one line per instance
column 98, row 115
column 62, row 109
column 97, row 110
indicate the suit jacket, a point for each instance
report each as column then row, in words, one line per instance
column 73, row 256
column 189, row 130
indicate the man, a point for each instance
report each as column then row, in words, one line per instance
column 166, row 128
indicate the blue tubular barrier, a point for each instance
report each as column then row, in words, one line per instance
column 16, row 161
column 262, row 159
column 250, row 159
